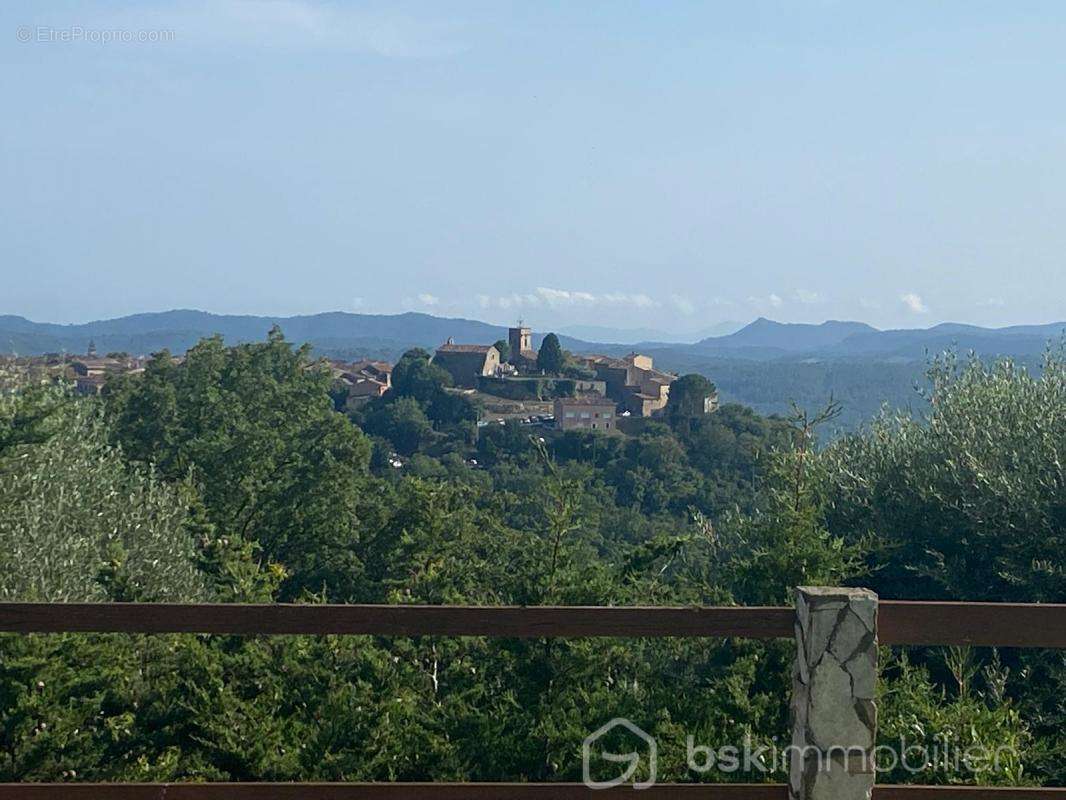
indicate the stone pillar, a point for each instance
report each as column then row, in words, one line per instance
column 834, row 718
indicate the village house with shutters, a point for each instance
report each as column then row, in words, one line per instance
column 585, row 412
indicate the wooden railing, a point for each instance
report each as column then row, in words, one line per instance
column 898, row 623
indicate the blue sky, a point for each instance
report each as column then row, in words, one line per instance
column 670, row 165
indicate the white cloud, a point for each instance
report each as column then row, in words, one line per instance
column 809, row 297
column 772, row 300
column 564, row 298
column 992, row 302
column 914, row 303
column 559, row 297
column 549, row 297
column 683, row 304
column 358, row 302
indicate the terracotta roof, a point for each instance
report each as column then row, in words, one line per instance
column 99, row 363
column 586, row 400
column 464, row 348
column 380, row 366
column 604, row 361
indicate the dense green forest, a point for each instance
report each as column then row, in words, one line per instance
column 231, row 477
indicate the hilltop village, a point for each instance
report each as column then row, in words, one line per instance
column 85, row 374
column 507, row 380
column 511, row 380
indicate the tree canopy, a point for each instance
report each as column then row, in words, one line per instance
column 229, row 476
column 688, row 395
column 416, row 376
column 550, row 357
column 254, row 429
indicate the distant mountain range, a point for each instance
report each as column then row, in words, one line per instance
column 388, row 335
column 379, row 335
column 767, row 365
column 765, row 339
column 382, row 334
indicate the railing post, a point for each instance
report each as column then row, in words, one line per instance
column 834, row 718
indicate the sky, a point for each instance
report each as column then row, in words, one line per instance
column 669, row 165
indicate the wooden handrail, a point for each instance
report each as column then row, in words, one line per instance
column 899, row 622
column 980, row 624
column 399, row 620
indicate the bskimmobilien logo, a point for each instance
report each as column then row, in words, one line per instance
column 631, row 759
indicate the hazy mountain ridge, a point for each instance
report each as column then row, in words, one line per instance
column 766, row 340
column 179, row 329
column 390, row 334
column 790, row 337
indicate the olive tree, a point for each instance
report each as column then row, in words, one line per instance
column 78, row 522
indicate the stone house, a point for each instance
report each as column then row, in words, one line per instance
column 91, row 374
column 362, row 386
column 89, row 384
column 93, row 367
column 362, row 380
column 467, row 362
column 633, row 382
column 378, row 370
